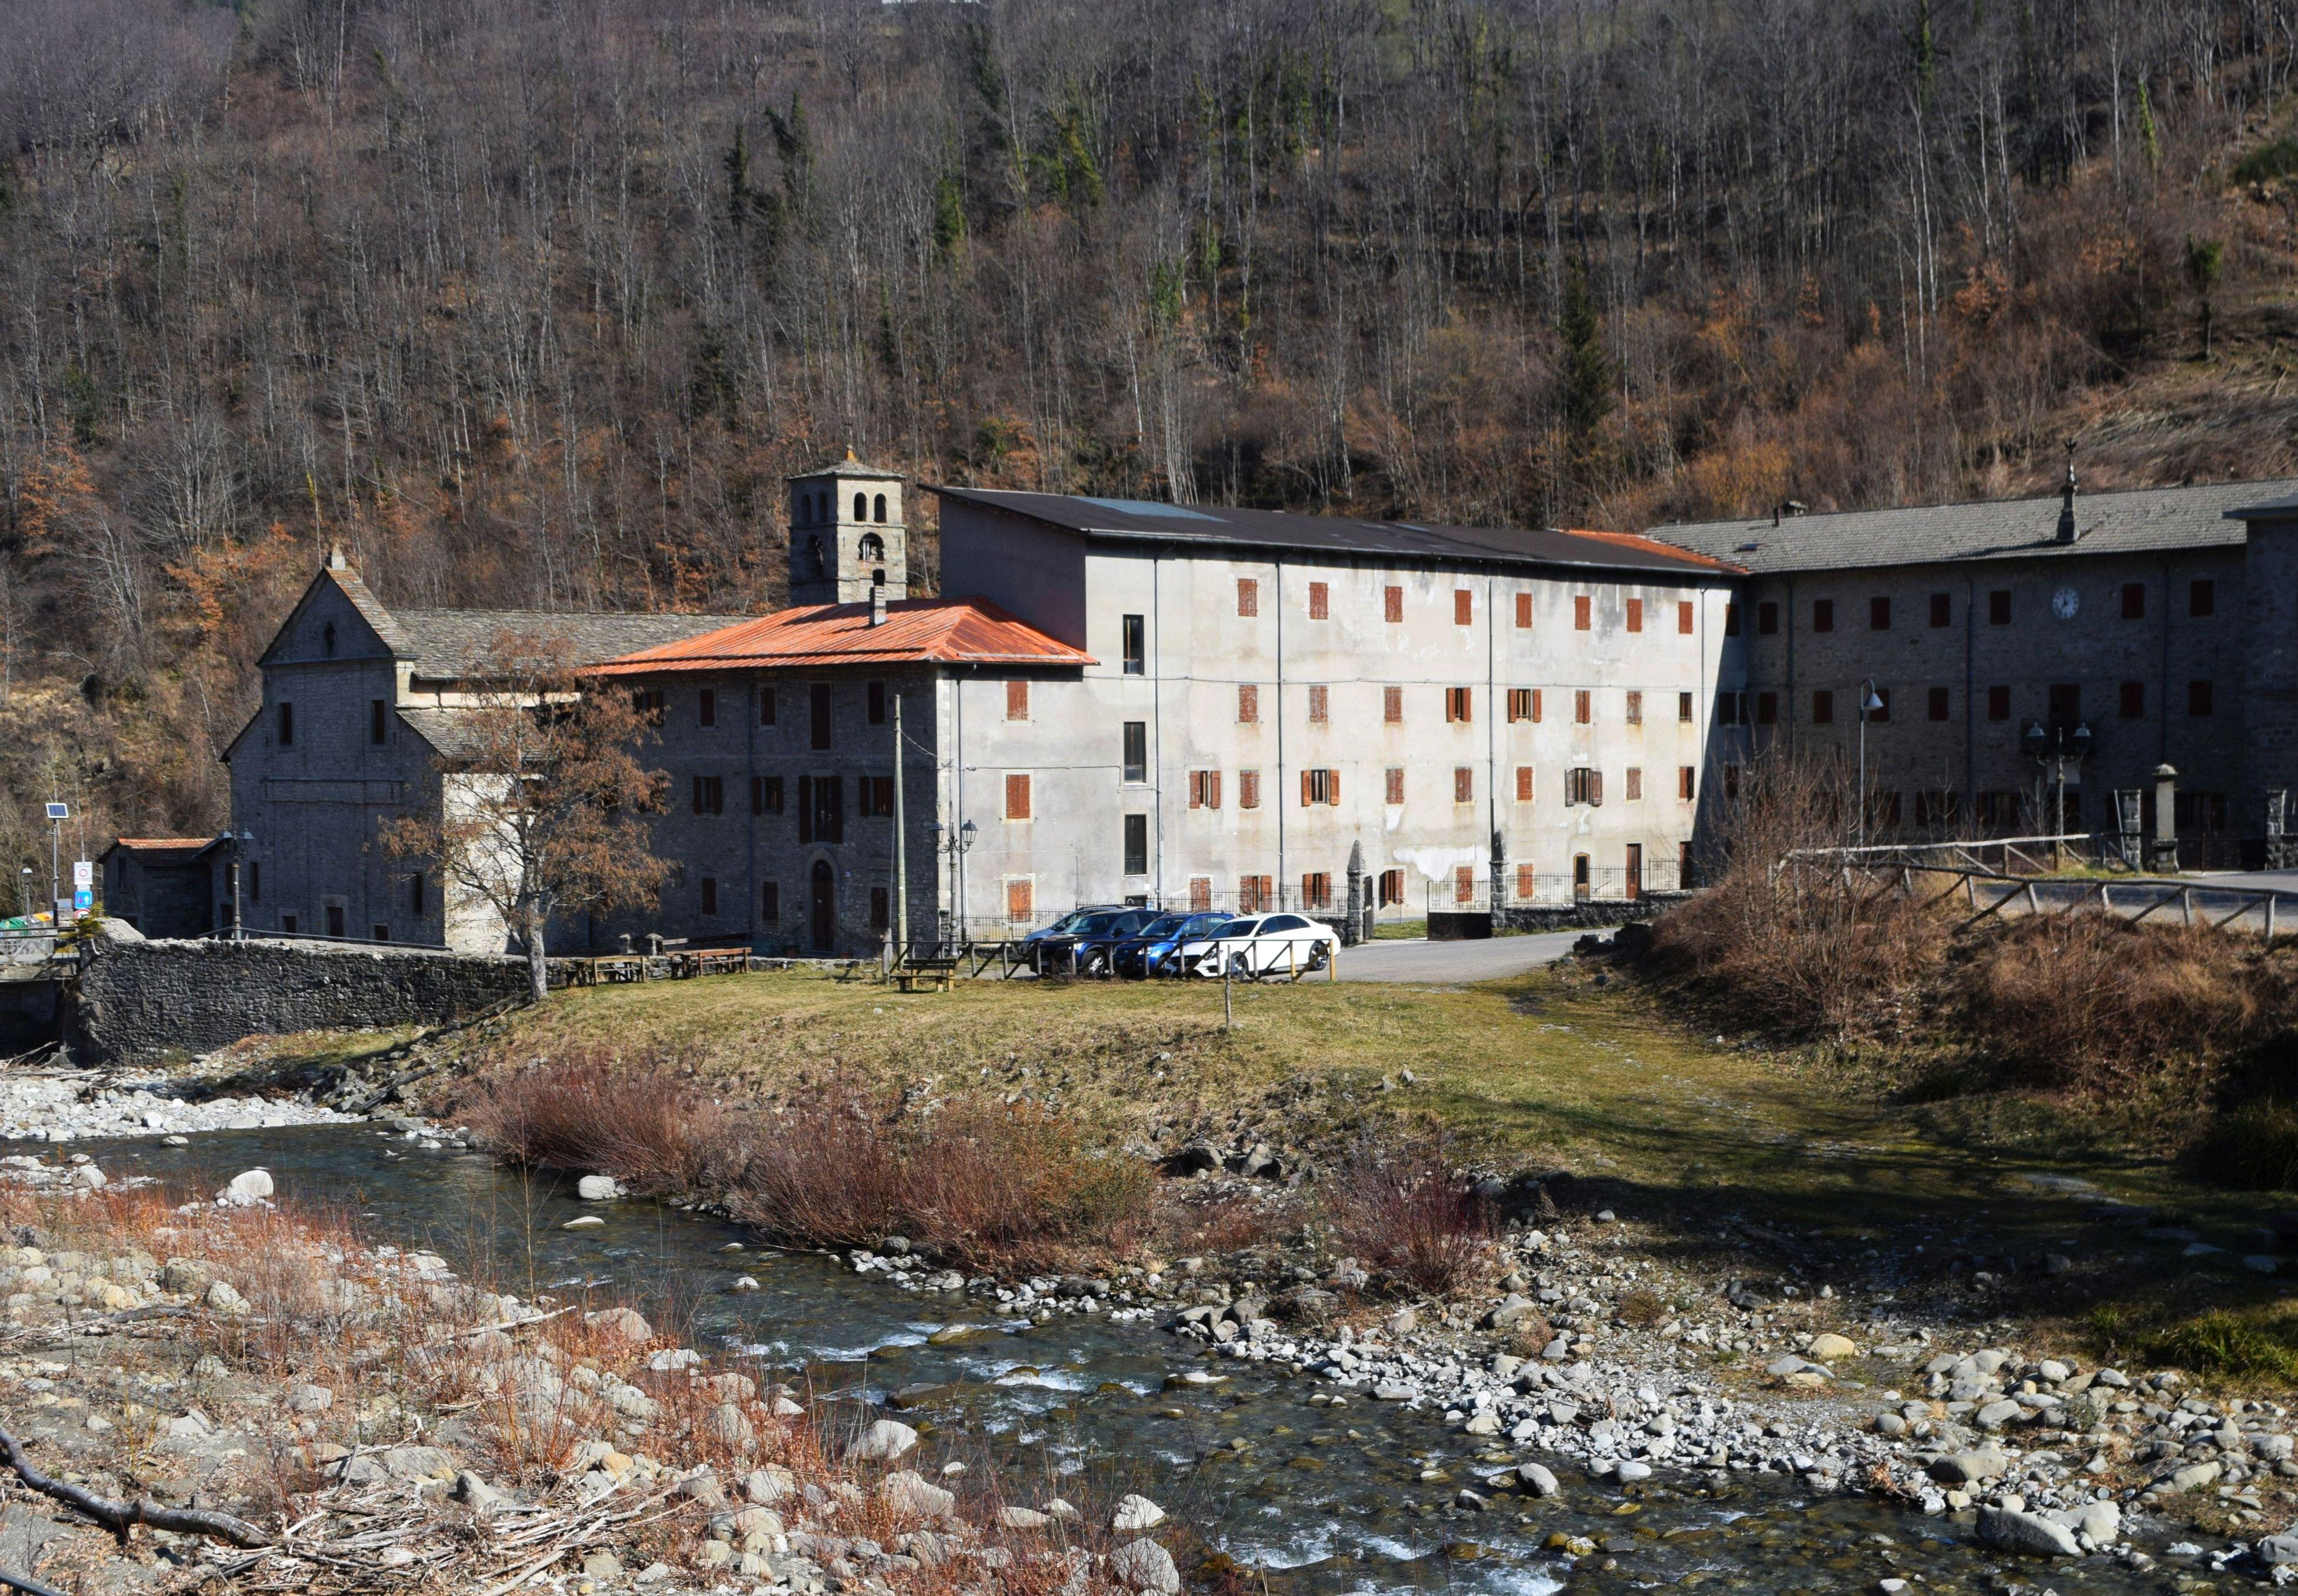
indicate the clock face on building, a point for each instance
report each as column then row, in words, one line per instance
column 2064, row 603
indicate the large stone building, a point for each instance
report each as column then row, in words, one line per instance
column 2157, row 620
column 1138, row 701
column 359, row 727
column 1121, row 700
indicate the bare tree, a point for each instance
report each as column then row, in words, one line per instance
column 537, row 813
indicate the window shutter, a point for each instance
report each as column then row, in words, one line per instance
column 806, row 808
column 1523, row 610
column 833, row 803
column 1213, row 778
column 1017, row 798
column 1307, row 790
column 1683, row 616
column 1596, row 786
column 1332, row 787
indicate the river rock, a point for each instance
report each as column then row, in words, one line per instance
column 2194, row 1476
column 884, row 1440
column 1997, row 1416
column 223, row 1298
column 588, row 1222
column 908, row 1492
column 1536, row 1479
column 1390, row 1390
column 1134, row 1514
column 1023, row 1518
column 1146, row 1566
column 1970, row 1468
column 1627, row 1471
column 481, row 1498
column 2102, row 1521
column 598, row 1188
column 1513, row 1310
column 620, row 1324
column 309, row 1398
column 249, row 1185
column 87, row 1177
column 2029, row 1535
column 2275, row 1550
column 767, row 1486
column 1827, row 1346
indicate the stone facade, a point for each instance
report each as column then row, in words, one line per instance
column 143, row 1000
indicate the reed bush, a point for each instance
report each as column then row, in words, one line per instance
column 1400, row 1207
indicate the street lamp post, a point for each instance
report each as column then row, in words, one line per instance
column 954, row 844
column 241, row 841
column 1870, row 701
column 2053, row 747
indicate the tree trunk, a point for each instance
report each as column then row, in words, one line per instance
column 538, row 967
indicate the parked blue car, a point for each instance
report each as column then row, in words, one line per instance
column 1150, row 951
column 1083, row 949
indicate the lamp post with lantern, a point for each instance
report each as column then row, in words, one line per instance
column 1871, row 702
column 2053, row 747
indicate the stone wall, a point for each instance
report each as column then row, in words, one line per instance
column 1595, row 912
column 140, row 1000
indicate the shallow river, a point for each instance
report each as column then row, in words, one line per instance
column 1317, row 1501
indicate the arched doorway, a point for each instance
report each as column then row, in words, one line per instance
column 826, row 907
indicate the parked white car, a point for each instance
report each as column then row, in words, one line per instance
column 1253, row 946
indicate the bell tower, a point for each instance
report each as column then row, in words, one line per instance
column 847, row 537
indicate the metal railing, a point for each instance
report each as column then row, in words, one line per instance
column 2268, row 912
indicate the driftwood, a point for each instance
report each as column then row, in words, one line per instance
column 120, row 1516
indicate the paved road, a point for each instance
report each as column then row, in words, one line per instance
column 1425, row 961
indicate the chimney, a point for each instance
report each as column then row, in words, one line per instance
column 878, row 604
column 335, row 561
column 2067, row 533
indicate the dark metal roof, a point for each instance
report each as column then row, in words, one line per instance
column 451, row 732
column 2139, row 520
column 1144, row 520
column 457, row 642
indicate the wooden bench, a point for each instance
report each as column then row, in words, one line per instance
column 916, row 972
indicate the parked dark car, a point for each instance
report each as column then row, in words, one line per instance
column 1083, row 949
column 1149, row 951
column 1068, row 923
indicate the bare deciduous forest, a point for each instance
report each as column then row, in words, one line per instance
column 534, row 303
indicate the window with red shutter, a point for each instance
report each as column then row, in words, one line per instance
column 1319, row 703
column 1464, row 784
column 1248, row 789
column 1523, row 610
column 1017, row 700
column 1320, row 601
column 1685, row 779
column 1464, row 607
column 1524, row 785
column 1392, row 705
column 1635, row 614
column 1248, row 596
column 1392, row 603
column 1248, row 703
column 1017, row 798
column 1635, row 786
column 1583, row 617
column 1582, row 706
column 1683, row 616
column 1395, row 785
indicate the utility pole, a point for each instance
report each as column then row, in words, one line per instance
column 901, row 847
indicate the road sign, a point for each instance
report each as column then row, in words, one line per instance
column 83, row 900
column 59, row 811
column 83, row 875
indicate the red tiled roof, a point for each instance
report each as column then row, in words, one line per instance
column 1633, row 540
column 915, row 632
column 162, row 842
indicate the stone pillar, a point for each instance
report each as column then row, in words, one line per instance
column 2162, row 851
column 1500, row 876
column 1353, row 931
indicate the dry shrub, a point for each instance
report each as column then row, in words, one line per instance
column 1780, row 945
column 2252, row 1147
column 649, row 1125
column 1400, row 1207
column 1225, row 1222
column 988, row 1184
column 2088, row 1002
column 825, row 1172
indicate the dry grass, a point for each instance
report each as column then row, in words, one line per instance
column 1401, row 1208
column 971, row 1182
column 2093, row 1004
column 1796, row 948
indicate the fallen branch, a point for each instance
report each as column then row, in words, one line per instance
column 28, row 1585
column 120, row 1516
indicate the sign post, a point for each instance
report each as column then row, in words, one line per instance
column 57, row 815
column 83, row 886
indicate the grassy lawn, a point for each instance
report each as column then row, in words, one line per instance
column 1541, row 1073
